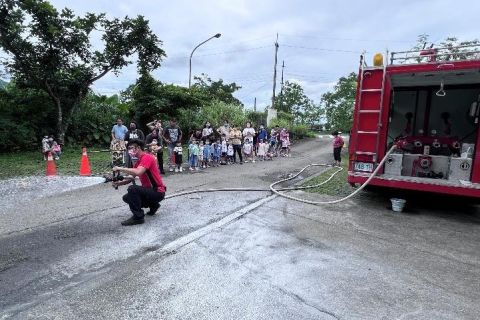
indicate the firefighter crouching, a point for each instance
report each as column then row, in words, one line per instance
column 152, row 190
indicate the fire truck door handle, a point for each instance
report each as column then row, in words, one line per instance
column 444, row 65
column 368, row 73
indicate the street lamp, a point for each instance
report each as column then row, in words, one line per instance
column 218, row 35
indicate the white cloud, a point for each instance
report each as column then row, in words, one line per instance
column 312, row 30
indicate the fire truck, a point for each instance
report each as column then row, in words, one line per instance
column 427, row 104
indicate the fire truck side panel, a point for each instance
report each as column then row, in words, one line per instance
column 418, row 186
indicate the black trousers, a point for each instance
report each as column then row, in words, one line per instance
column 139, row 197
column 237, row 148
column 336, row 153
column 178, row 160
column 160, row 161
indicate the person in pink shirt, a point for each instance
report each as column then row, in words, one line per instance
column 337, row 147
column 284, row 141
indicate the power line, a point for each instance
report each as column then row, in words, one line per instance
column 323, row 49
column 347, row 39
column 222, row 52
column 234, row 42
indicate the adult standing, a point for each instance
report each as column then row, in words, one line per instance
column 225, row 130
column 119, row 130
column 152, row 190
column 133, row 133
column 156, row 135
column 171, row 135
column 248, row 129
column 207, row 132
column 236, row 138
column 262, row 134
column 155, row 124
column 337, row 147
column 195, row 135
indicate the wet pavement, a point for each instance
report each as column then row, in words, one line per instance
column 247, row 255
column 25, row 189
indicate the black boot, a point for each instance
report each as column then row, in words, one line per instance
column 132, row 221
column 153, row 209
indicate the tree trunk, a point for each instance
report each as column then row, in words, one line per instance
column 60, row 124
column 67, row 117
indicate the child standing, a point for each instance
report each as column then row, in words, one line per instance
column 224, row 150
column 262, row 149
column 217, row 151
column 286, row 143
column 154, row 148
column 178, row 150
column 207, row 149
column 273, row 144
column 193, row 150
column 337, row 147
column 230, row 153
column 200, row 155
column 248, row 148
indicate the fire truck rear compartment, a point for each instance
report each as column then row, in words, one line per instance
column 435, row 115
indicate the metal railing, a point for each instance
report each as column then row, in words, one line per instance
column 433, row 55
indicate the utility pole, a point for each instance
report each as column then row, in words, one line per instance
column 272, row 112
column 255, row 105
column 275, row 73
column 281, row 83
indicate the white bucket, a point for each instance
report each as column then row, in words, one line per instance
column 398, row 204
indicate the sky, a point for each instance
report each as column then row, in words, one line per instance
column 319, row 41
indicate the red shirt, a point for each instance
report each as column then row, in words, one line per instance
column 148, row 162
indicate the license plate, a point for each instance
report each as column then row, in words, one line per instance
column 362, row 166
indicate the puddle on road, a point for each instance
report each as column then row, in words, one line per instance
column 20, row 190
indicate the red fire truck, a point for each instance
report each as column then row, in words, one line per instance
column 427, row 103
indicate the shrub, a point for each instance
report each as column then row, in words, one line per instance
column 215, row 113
column 300, row 131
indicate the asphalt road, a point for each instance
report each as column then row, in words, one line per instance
column 244, row 255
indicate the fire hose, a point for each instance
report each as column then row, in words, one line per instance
column 278, row 191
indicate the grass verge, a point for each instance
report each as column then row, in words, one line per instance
column 27, row 163
column 31, row 163
column 338, row 186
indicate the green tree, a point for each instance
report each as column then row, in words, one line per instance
column 52, row 51
column 340, row 102
column 93, row 121
column 216, row 112
column 292, row 98
column 256, row 117
column 216, row 90
column 294, row 101
column 25, row 115
column 151, row 99
column 312, row 114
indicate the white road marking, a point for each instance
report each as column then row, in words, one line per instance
column 197, row 234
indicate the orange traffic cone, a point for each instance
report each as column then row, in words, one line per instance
column 51, row 167
column 84, row 164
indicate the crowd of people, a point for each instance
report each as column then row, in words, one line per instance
column 207, row 147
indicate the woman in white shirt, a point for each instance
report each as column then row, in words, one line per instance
column 207, row 131
column 248, row 129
